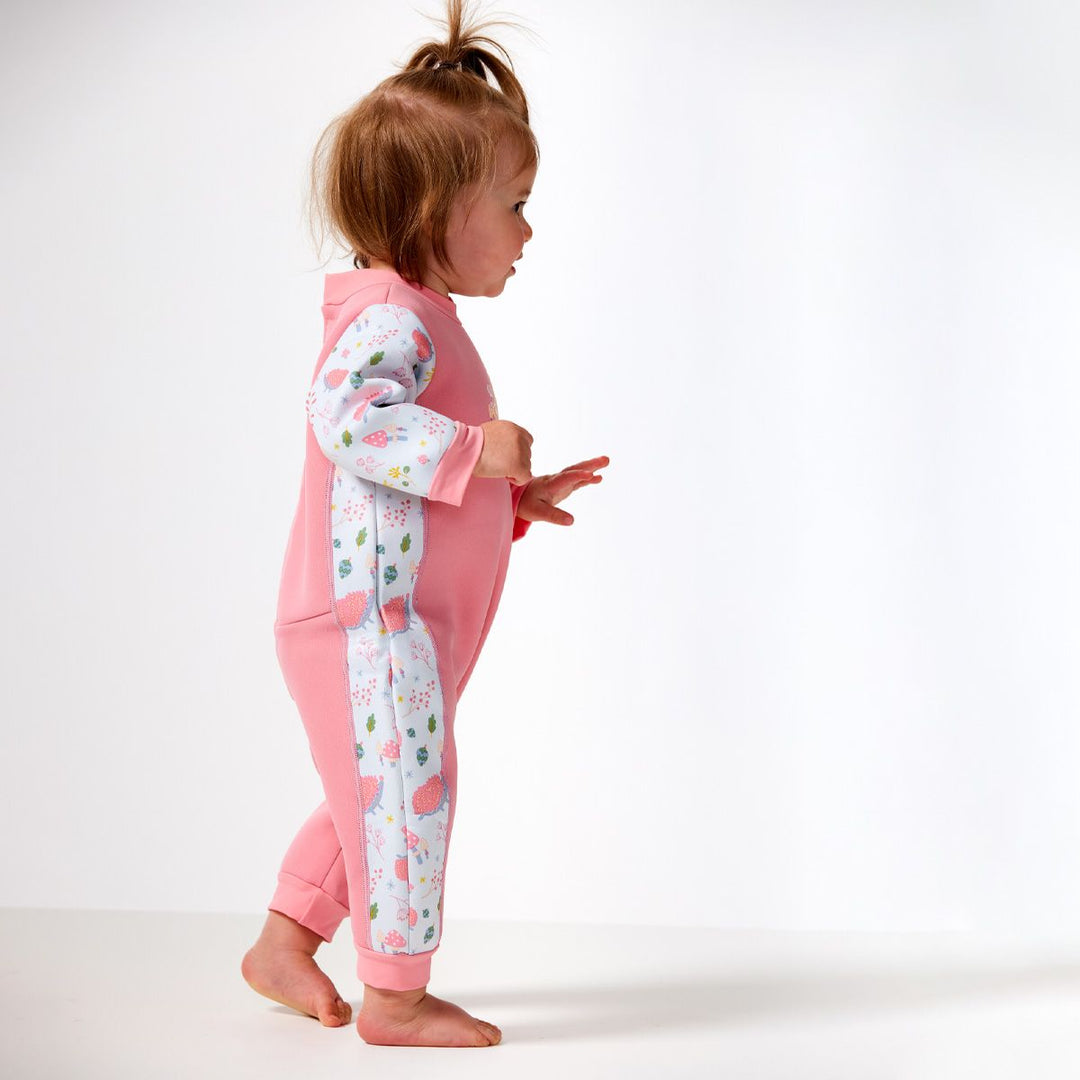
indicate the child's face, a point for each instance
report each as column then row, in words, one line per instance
column 485, row 244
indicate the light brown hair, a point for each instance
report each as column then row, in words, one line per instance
column 386, row 173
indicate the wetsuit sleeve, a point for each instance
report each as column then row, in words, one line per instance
column 362, row 409
column 521, row 527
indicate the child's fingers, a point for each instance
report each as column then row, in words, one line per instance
column 579, row 479
column 591, row 465
column 579, row 475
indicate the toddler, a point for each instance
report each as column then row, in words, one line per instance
column 413, row 491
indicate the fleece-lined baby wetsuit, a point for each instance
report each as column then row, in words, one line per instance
column 392, row 575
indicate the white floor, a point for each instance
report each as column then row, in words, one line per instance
column 145, row 996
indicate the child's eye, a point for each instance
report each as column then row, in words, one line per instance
column 517, row 206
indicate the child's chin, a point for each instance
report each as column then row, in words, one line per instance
column 494, row 289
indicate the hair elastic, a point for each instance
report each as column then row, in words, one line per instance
column 447, row 64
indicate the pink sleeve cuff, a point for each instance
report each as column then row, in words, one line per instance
column 455, row 468
column 521, row 527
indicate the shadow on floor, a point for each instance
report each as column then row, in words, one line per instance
column 589, row 1012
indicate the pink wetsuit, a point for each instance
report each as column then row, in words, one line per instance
column 392, row 575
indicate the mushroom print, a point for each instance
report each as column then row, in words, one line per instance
column 391, row 939
column 416, row 844
column 390, row 751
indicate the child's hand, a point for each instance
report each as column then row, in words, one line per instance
column 507, row 452
column 543, row 492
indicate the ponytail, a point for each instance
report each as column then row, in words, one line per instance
column 462, row 53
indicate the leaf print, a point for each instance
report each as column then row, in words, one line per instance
column 429, row 933
column 411, row 732
column 406, row 543
column 376, row 358
column 346, row 437
column 373, row 911
column 361, row 537
column 370, row 725
column 431, row 723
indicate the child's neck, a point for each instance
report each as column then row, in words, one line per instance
column 431, row 280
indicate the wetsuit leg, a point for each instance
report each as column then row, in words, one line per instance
column 312, row 888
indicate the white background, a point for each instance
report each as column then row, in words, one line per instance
column 807, row 272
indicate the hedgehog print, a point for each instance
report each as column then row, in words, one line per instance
column 431, row 797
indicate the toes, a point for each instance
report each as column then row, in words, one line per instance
column 490, row 1030
column 338, row 1012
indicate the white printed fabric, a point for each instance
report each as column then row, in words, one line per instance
column 386, row 449
column 361, row 404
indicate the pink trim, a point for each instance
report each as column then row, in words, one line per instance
column 394, row 971
column 308, row 905
column 455, row 468
column 521, row 527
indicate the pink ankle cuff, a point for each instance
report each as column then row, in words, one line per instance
column 308, row 905
column 394, row 971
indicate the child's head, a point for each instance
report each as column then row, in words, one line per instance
column 416, row 175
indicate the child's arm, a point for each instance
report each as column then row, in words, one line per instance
column 362, row 409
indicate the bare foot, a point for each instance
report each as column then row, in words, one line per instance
column 417, row 1018
column 281, row 966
